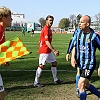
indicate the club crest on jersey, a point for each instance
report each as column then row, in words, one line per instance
column 88, row 40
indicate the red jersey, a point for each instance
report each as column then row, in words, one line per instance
column 46, row 35
column 2, row 35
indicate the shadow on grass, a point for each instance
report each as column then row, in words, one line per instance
column 69, row 82
column 26, row 57
column 18, row 88
column 10, row 89
column 26, row 77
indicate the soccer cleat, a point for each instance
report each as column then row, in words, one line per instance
column 58, row 82
column 77, row 93
column 38, row 85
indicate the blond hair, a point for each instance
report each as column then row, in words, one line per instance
column 4, row 12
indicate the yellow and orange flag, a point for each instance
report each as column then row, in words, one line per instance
column 12, row 49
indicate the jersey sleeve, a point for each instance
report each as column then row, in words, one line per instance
column 2, row 37
column 97, row 39
column 72, row 42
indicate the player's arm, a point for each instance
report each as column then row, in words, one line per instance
column 98, row 46
column 73, row 61
column 99, row 71
column 97, row 39
column 56, row 52
column 71, row 45
column 46, row 35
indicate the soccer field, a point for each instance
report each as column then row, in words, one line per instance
column 19, row 76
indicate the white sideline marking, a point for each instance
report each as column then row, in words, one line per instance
column 43, row 70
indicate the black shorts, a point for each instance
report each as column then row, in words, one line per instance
column 86, row 73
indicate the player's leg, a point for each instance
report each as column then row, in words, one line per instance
column 51, row 59
column 37, row 76
column 2, row 95
column 77, row 79
column 85, row 75
column 91, row 88
column 24, row 33
column 81, row 85
column 2, row 91
column 83, row 81
column 54, row 73
column 42, row 62
column 54, row 70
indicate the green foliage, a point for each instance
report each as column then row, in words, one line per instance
column 42, row 21
column 64, row 23
column 78, row 17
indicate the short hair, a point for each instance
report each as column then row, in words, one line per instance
column 89, row 18
column 4, row 12
column 49, row 16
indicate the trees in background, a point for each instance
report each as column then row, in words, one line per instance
column 72, row 21
column 72, row 18
column 64, row 23
column 42, row 22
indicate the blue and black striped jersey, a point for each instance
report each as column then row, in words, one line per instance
column 86, row 45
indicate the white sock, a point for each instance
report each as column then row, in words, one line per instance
column 54, row 73
column 38, row 73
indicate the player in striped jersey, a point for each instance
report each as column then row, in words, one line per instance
column 86, row 41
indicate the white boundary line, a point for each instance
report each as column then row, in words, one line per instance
column 43, row 70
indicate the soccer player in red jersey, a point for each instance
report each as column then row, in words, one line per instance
column 5, row 21
column 46, row 52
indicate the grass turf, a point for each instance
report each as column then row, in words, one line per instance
column 19, row 84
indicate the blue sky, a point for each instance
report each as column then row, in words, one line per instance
column 35, row 9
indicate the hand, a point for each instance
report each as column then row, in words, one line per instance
column 6, row 64
column 67, row 57
column 99, row 71
column 56, row 52
column 73, row 62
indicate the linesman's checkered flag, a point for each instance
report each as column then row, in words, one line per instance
column 12, row 49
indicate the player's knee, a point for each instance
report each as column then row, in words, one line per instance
column 54, row 64
column 2, row 95
column 81, row 87
column 41, row 66
column 87, row 85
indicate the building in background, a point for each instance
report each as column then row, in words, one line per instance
column 15, row 14
column 20, row 21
